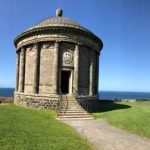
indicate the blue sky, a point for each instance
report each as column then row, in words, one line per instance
column 123, row 25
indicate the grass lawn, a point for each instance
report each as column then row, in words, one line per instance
column 31, row 129
column 132, row 116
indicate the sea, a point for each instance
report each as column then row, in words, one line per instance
column 7, row 92
column 107, row 95
column 118, row 95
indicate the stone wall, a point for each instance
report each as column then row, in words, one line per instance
column 29, row 68
column 84, row 58
column 46, row 68
column 41, row 102
column 89, row 103
column 40, row 78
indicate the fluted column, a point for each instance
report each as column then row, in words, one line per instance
column 17, row 70
column 91, row 76
column 55, row 68
column 36, row 68
column 76, row 67
column 22, row 70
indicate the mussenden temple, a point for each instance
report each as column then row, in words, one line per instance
column 57, row 65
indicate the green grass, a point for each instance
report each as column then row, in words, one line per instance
column 30, row 129
column 131, row 116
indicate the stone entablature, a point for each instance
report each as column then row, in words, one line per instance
column 63, row 37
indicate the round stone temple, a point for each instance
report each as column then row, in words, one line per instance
column 59, row 12
column 60, row 61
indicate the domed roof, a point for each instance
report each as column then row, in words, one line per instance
column 58, row 21
column 55, row 24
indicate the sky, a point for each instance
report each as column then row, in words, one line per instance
column 123, row 26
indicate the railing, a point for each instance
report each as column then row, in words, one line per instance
column 63, row 104
column 80, row 100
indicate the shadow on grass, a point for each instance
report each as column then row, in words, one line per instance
column 104, row 105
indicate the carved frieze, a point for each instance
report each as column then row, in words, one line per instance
column 53, row 37
column 30, row 48
column 47, row 45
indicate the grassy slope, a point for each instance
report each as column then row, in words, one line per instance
column 135, row 119
column 26, row 129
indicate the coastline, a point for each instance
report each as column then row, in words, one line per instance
column 103, row 95
column 124, row 100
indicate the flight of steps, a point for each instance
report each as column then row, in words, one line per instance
column 74, row 111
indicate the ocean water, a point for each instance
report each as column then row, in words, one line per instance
column 123, row 95
column 9, row 92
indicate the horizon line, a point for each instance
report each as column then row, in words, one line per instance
column 99, row 90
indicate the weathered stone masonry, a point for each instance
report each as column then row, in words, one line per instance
column 56, row 56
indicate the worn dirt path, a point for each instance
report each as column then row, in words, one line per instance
column 106, row 137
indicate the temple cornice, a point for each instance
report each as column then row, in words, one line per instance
column 34, row 33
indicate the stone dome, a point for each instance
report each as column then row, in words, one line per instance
column 57, row 21
column 60, row 22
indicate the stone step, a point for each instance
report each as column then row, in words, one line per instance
column 76, row 107
column 75, row 119
column 75, row 110
column 74, row 113
column 76, row 103
column 75, row 116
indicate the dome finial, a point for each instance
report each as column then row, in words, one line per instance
column 59, row 12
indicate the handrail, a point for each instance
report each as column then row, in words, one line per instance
column 79, row 99
column 63, row 104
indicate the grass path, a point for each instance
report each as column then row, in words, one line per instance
column 131, row 116
column 30, row 129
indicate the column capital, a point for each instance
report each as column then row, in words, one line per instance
column 78, row 44
column 36, row 45
column 22, row 48
column 22, row 51
column 56, row 44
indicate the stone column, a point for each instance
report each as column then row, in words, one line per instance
column 36, row 68
column 97, row 73
column 22, row 70
column 55, row 68
column 76, row 67
column 17, row 70
column 94, row 73
column 91, row 76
